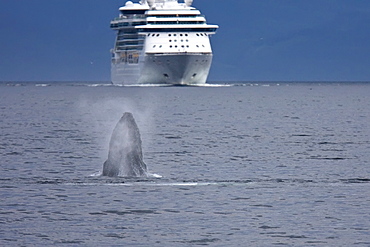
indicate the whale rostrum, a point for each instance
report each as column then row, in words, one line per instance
column 125, row 157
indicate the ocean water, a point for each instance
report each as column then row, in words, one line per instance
column 243, row 164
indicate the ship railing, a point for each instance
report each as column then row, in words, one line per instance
column 129, row 17
column 176, row 22
column 126, row 24
column 176, row 16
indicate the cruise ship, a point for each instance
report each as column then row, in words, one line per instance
column 161, row 42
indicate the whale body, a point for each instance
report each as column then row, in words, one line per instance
column 125, row 157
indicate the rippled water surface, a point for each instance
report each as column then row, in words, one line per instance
column 241, row 165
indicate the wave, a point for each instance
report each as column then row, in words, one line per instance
column 161, row 85
column 156, row 180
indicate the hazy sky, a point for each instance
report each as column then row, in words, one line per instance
column 258, row 40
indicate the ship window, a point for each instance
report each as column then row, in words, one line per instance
column 205, row 34
column 187, row 46
column 170, row 40
column 181, row 34
column 197, row 34
column 174, row 34
column 170, row 46
column 201, row 34
column 186, row 35
column 133, row 58
column 169, row 35
column 157, row 34
column 148, row 34
column 175, row 40
column 183, row 46
column 187, row 40
column 153, row 46
column 160, row 46
column 182, row 40
column 175, row 46
column 198, row 46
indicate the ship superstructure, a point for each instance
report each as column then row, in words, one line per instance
column 161, row 42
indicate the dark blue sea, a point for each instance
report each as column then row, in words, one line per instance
column 239, row 164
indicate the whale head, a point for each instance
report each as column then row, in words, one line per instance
column 125, row 157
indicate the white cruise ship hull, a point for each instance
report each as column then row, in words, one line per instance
column 173, row 69
column 161, row 42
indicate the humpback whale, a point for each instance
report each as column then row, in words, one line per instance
column 125, row 157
